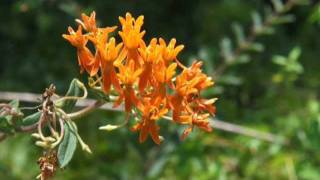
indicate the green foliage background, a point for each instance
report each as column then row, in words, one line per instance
column 276, row 91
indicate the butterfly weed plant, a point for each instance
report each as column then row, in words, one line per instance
column 146, row 79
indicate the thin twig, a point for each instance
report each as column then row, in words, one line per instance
column 91, row 104
column 218, row 124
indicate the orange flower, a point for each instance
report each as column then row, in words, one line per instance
column 130, row 34
column 204, row 105
column 128, row 76
column 163, row 77
column 199, row 120
column 192, row 80
column 108, row 55
column 88, row 23
column 150, row 55
column 98, row 36
column 85, row 58
column 164, row 74
column 151, row 112
column 170, row 52
column 186, row 104
column 132, row 37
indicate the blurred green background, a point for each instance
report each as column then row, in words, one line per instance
column 275, row 90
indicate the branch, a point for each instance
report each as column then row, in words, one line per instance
column 252, row 36
column 86, row 110
column 91, row 104
column 218, row 124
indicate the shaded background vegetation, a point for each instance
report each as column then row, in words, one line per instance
column 261, row 93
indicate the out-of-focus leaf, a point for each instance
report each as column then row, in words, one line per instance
column 309, row 172
column 280, row 60
column 4, row 125
column 290, row 63
column 238, row 31
column 31, row 119
column 258, row 47
column 204, row 54
column 157, row 167
column 284, row 19
column 315, row 15
column 70, row 8
column 243, row 58
column 226, row 50
column 230, row 79
column 268, row 30
column 295, row 54
column 257, row 22
column 278, row 5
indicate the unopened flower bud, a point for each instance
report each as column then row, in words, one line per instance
column 36, row 135
column 42, row 144
column 109, row 127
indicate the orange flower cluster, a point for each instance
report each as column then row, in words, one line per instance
column 143, row 75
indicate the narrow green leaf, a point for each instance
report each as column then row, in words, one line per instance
column 295, row 54
column 267, row 30
column 239, row 33
column 284, row 19
column 31, row 119
column 74, row 90
column 231, row 80
column 258, row 47
column 315, row 15
column 226, row 50
column 67, row 147
column 278, row 5
column 243, row 58
column 280, row 60
column 257, row 22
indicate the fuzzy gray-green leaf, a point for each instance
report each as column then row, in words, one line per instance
column 31, row 119
column 74, row 90
column 67, row 147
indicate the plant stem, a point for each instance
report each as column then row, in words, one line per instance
column 217, row 124
column 86, row 110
